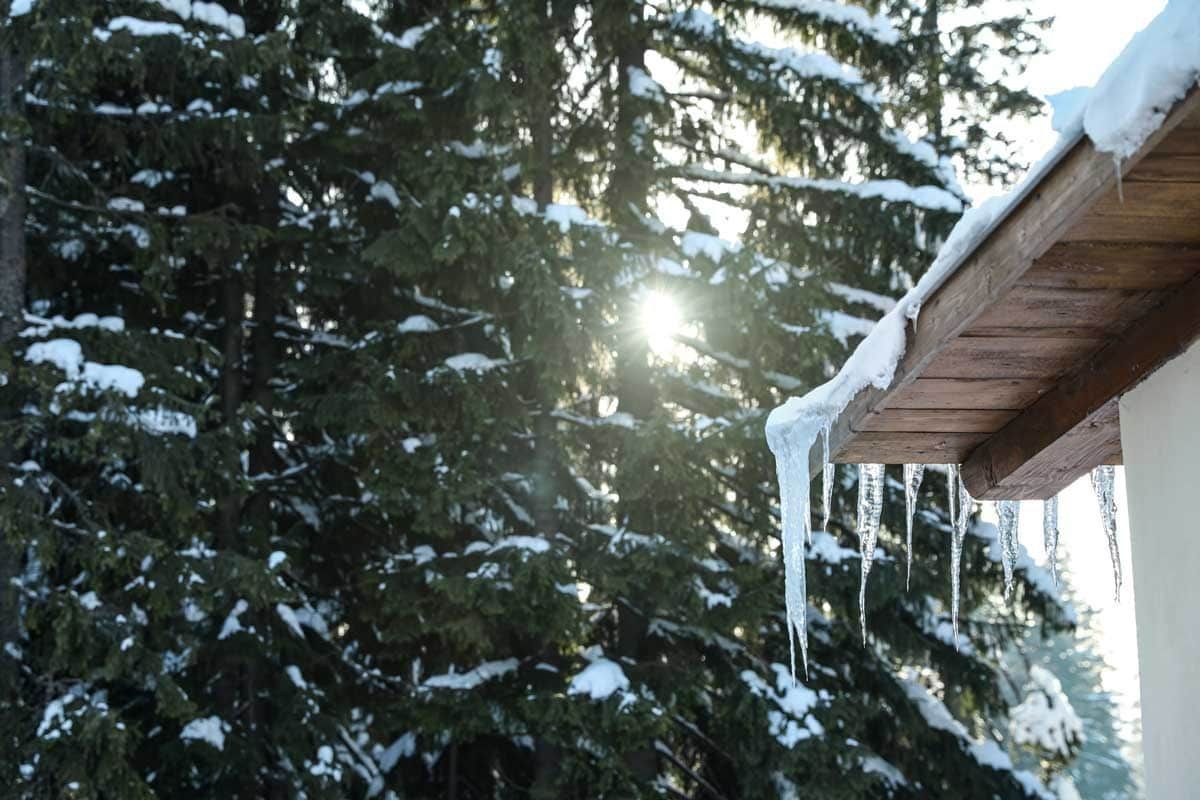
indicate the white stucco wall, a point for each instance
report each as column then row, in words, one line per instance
column 1160, row 437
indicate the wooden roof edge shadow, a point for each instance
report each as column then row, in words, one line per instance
column 1049, row 208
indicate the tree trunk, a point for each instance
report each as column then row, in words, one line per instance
column 626, row 193
column 12, row 308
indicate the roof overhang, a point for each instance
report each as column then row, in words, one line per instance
column 1087, row 285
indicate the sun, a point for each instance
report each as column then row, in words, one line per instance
column 661, row 319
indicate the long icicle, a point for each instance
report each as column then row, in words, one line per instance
column 1009, row 514
column 827, row 473
column 962, row 498
column 1103, row 480
column 913, row 473
column 1050, row 534
column 870, row 507
column 791, row 464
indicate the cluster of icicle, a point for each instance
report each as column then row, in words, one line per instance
column 792, row 468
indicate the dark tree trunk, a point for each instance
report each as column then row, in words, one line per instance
column 12, row 308
column 12, row 210
column 627, row 191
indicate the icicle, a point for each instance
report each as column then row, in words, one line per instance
column 870, row 507
column 827, row 471
column 952, row 490
column 1102, row 482
column 1050, row 534
column 1009, row 512
column 791, row 466
column 962, row 499
column 913, row 473
column 1120, row 189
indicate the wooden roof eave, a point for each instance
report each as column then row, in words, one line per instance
column 1050, row 205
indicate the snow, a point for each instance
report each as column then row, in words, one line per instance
column 417, row 323
column 481, row 674
column 874, row 765
column 565, row 216
column 141, row 27
column 67, row 355
column 877, row 26
column 1156, row 69
column 233, row 622
column 210, row 730
column 386, row 192
column 19, row 8
column 842, row 326
column 1045, row 719
column 889, row 190
column 275, row 559
column 599, row 680
column 855, row 295
column 642, row 85
column 986, row 753
column 790, row 721
column 694, row 244
column 472, row 362
column 288, row 615
column 160, row 421
column 532, row 544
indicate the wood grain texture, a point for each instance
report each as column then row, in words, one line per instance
column 1092, row 385
column 1114, row 265
column 1011, row 357
column 1057, row 312
column 951, row 420
column 909, row 448
column 1147, row 212
column 983, row 393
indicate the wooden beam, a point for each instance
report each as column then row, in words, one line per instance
column 1150, row 341
column 1059, row 201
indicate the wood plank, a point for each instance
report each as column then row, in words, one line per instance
column 1114, row 265
column 1182, row 141
column 1063, row 313
column 1166, row 168
column 908, row 448
column 953, row 420
column 1146, row 212
column 1154, row 339
column 1059, row 200
column 983, row 393
column 1012, row 357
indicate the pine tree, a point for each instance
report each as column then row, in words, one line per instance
column 179, row 593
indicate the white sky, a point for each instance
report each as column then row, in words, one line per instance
column 1085, row 38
